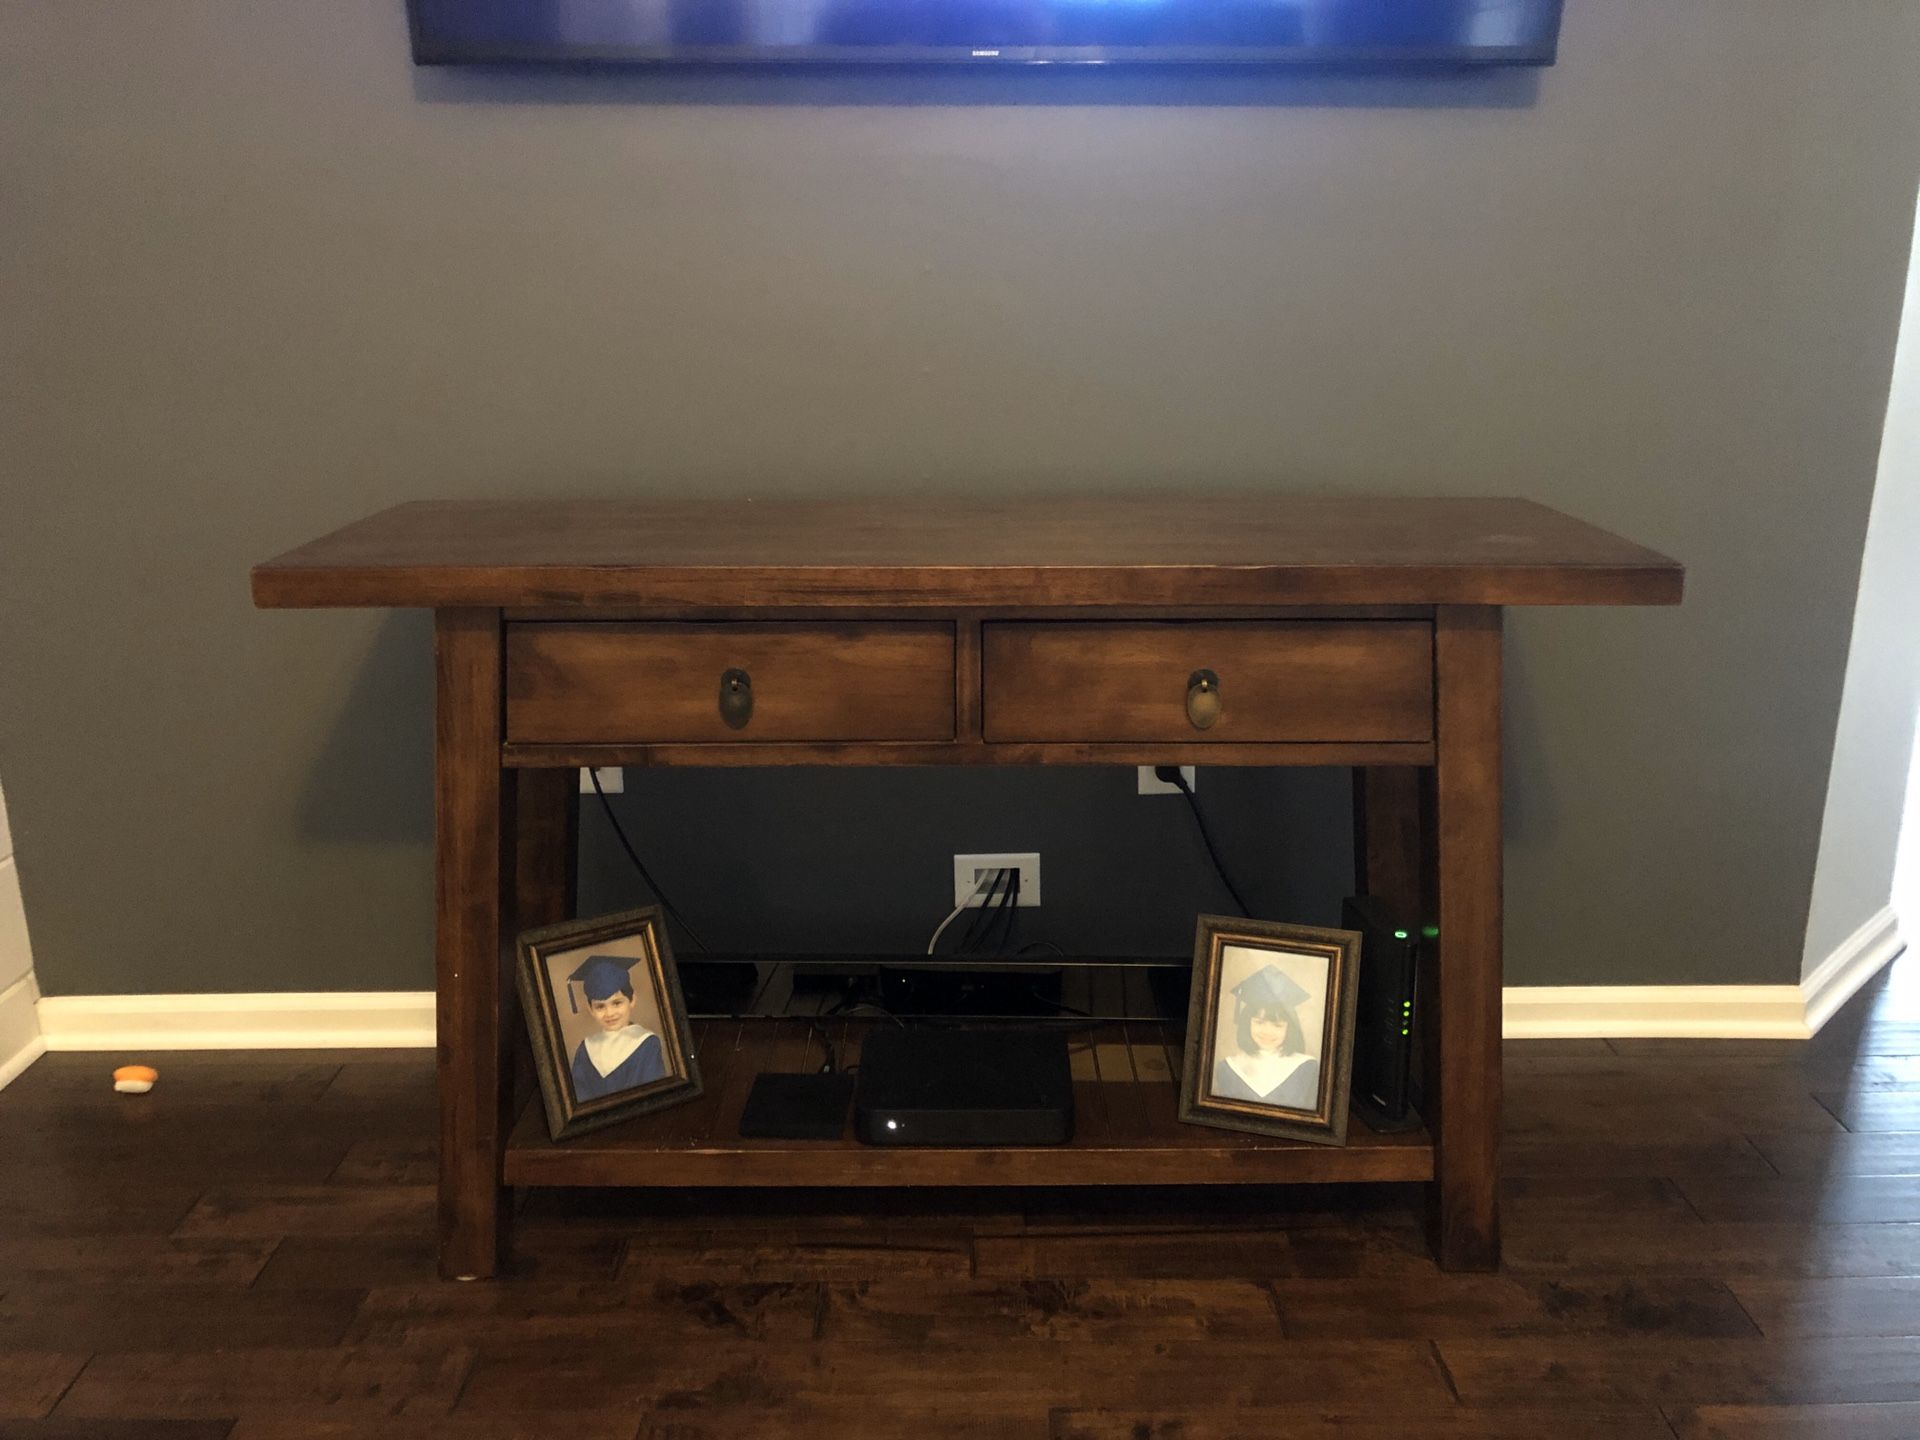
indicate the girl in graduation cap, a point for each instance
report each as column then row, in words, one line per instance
column 1270, row 1065
column 621, row 1054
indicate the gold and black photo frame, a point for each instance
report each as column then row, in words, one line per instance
column 1270, row 1029
column 607, row 1020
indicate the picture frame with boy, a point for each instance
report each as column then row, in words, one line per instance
column 606, row 1019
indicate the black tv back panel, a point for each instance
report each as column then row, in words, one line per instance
column 925, row 1086
column 1383, row 1077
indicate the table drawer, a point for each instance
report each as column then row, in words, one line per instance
column 747, row 683
column 1305, row 681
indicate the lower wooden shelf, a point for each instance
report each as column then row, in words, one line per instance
column 1126, row 1090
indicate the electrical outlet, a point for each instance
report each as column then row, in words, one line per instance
column 613, row 780
column 1152, row 784
column 970, row 870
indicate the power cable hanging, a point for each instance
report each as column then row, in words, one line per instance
column 1172, row 776
column 640, row 865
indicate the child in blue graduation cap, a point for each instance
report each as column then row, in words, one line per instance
column 1270, row 1065
column 621, row 1054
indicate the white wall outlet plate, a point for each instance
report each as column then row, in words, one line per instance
column 1152, row 784
column 613, row 780
column 970, row 870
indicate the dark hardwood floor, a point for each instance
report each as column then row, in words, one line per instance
column 1705, row 1240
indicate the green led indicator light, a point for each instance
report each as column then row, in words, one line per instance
column 1431, row 932
column 1399, row 934
column 1405, row 1031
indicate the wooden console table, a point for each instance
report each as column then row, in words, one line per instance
column 1363, row 633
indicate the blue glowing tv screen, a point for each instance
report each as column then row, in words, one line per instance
column 1361, row 33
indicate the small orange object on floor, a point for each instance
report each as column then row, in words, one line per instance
column 134, row 1079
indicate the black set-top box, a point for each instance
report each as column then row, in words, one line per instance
column 928, row 1086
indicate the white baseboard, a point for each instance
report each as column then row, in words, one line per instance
column 405, row 1019
column 323, row 1020
column 15, row 1065
column 1631, row 1012
column 20, row 1042
column 1855, row 961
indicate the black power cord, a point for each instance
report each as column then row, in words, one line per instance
column 1013, row 917
column 640, row 865
column 1171, row 775
column 988, row 912
column 830, row 1060
column 1001, row 919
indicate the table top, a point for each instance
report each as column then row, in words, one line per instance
column 912, row 552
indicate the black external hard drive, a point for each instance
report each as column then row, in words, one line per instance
column 797, row 1107
column 925, row 1086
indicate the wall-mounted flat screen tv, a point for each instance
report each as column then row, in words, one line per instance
column 1358, row 33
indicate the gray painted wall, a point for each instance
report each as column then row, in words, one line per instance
column 1874, row 744
column 263, row 278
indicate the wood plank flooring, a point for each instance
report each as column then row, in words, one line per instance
column 1705, row 1241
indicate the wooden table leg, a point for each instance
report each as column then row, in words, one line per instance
column 1387, row 830
column 473, row 844
column 546, row 870
column 1464, row 1087
column 546, row 848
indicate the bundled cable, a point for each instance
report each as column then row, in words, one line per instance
column 988, row 883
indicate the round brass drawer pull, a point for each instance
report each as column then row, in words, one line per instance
column 736, row 699
column 1203, row 699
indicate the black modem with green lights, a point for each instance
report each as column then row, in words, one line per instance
column 1383, row 1031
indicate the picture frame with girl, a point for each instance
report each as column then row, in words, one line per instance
column 1270, row 1020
